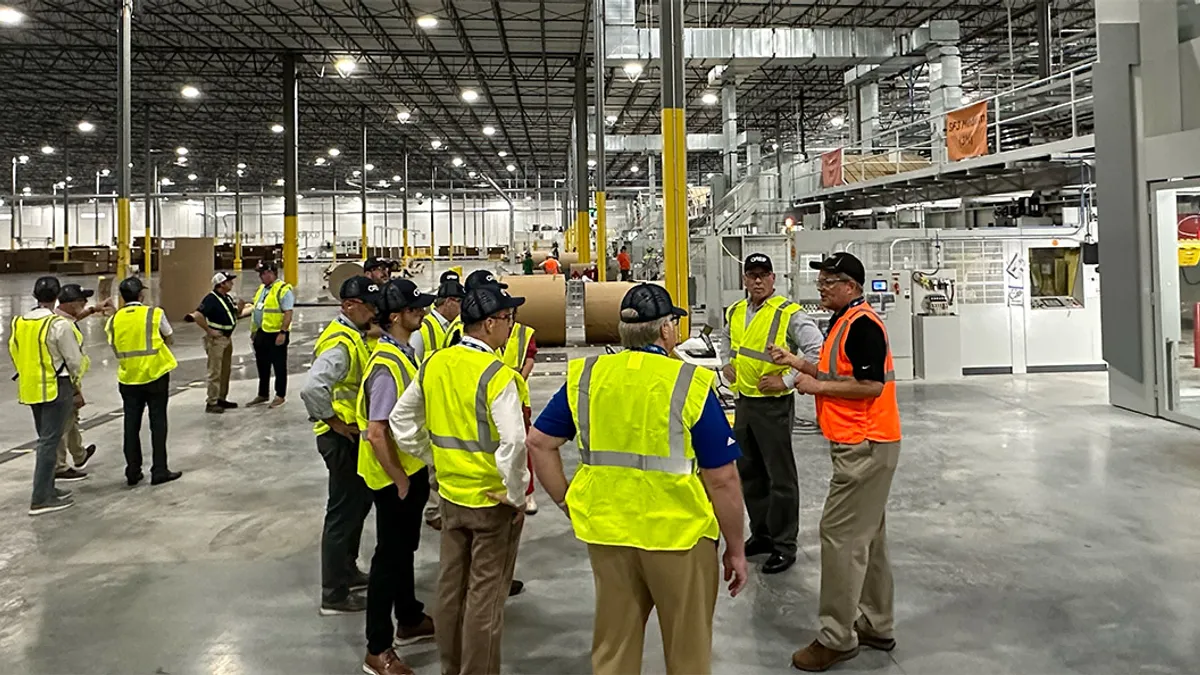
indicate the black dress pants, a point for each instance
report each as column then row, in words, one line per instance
column 391, row 589
column 268, row 356
column 345, row 512
column 136, row 398
column 763, row 427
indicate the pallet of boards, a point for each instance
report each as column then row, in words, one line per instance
column 859, row 167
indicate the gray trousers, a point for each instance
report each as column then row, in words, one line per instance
column 50, row 420
column 763, row 427
column 345, row 513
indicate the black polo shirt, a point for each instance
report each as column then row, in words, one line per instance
column 866, row 345
column 217, row 307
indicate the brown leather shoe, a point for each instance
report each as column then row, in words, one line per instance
column 257, row 400
column 386, row 663
column 278, row 401
column 407, row 635
column 817, row 658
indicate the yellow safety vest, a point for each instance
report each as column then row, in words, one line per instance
column 460, row 386
column 231, row 312
column 513, row 352
column 748, row 344
column 345, row 391
column 134, row 337
column 637, row 483
column 28, row 345
column 434, row 336
column 389, row 357
column 267, row 300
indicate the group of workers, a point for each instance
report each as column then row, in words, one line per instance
column 413, row 405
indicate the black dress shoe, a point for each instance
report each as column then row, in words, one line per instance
column 515, row 588
column 165, row 478
column 758, row 547
column 358, row 580
column 134, row 479
column 228, row 405
column 777, row 563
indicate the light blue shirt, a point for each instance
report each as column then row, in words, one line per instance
column 287, row 303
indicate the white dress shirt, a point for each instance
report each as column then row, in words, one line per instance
column 417, row 339
column 407, row 422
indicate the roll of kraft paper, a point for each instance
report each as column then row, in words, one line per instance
column 339, row 275
column 545, row 308
column 602, row 310
column 567, row 259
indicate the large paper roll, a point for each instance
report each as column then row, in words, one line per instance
column 602, row 310
column 339, row 275
column 539, row 257
column 545, row 308
column 566, row 259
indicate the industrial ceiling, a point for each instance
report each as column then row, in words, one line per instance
column 58, row 66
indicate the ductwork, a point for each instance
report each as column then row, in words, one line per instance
column 652, row 143
column 753, row 47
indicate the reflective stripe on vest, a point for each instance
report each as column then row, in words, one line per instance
column 677, row 463
column 433, row 336
column 772, row 331
column 385, row 357
column 485, row 442
column 851, row 421
column 228, row 312
column 517, row 346
column 149, row 350
column 28, row 344
column 267, row 300
column 344, row 393
column 126, row 330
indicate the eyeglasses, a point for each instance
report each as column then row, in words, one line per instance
column 505, row 317
column 829, row 281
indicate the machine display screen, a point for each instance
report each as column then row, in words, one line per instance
column 879, row 285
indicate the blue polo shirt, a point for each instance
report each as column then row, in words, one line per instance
column 712, row 439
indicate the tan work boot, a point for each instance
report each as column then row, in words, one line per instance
column 279, row 400
column 258, row 400
column 817, row 658
column 387, row 663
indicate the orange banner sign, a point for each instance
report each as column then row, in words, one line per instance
column 831, row 168
column 966, row 132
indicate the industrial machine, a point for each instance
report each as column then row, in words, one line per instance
column 937, row 334
column 890, row 293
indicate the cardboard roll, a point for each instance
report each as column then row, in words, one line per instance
column 602, row 311
column 566, row 259
column 338, row 276
column 545, row 308
column 539, row 257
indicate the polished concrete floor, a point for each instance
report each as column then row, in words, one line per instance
column 1033, row 529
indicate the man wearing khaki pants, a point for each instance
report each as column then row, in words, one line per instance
column 217, row 315
column 855, row 387
column 71, row 306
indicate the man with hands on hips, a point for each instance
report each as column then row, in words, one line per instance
column 765, row 408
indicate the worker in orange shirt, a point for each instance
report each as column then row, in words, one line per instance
column 855, row 386
column 624, row 264
column 551, row 266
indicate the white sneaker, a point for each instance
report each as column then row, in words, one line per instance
column 530, row 505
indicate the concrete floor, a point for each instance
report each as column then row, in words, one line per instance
column 1034, row 529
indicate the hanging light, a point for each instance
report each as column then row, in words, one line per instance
column 471, row 174
column 592, row 163
column 369, row 167
column 356, row 173
column 189, row 91
column 435, row 144
column 23, row 159
column 404, row 116
column 635, row 168
column 709, row 98
column 470, row 95
column 320, row 161
column 502, row 153
column 611, row 119
column 396, row 178
column 511, row 168
column 280, row 182
column 104, row 173
column 10, row 16
column 489, row 131
column 192, row 177
column 181, row 151
column 345, row 66
column 334, row 152
column 47, row 149
column 241, row 165
column 427, row 22
column 277, row 128
column 457, row 161
column 86, row 127
column 837, row 121
column 633, row 70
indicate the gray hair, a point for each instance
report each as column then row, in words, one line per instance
column 638, row 335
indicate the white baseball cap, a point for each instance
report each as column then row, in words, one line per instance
column 221, row 277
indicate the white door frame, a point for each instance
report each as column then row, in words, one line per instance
column 1164, row 278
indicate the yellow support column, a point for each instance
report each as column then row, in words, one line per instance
column 124, row 149
column 674, row 124
column 291, row 171
column 601, row 239
column 123, row 229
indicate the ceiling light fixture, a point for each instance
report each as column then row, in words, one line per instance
column 471, row 174
column 320, row 161
column 427, row 22
column 181, row 151
column 592, row 163
column 457, row 161
column 277, row 128
column 709, row 98
column 404, row 116
column 24, row 159
column 189, row 91
column 10, row 16
column 611, row 119
column 280, row 182
column 837, row 121
column 383, row 183
column 104, row 173
column 356, row 173
column 489, row 131
column 47, row 149
column 502, row 153
column 511, row 168
column 345, row 66
column 633, row 70
column 334, row 152
column 470, row 95
column 86, row 127
column 635, row 168
column 369, row 167
column 435, row 144
column 241, row 165
column 396, row 178
column 192, row 177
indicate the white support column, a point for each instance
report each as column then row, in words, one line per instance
column 945, row 93
column 729, row 117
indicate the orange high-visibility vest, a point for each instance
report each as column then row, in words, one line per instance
column 852, row 421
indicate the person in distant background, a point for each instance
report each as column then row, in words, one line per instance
column 527, row 263
column 72, row 301
column 378, row 270
column 551, row 266
column 270, row 331
column 625, row 265
column 217, row 316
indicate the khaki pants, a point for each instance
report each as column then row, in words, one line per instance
column 220, row 360
column 681, row 585
column 72, row 441
column 855, row 574
column 479, row 552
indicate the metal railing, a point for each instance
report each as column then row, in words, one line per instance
column 1051, row 109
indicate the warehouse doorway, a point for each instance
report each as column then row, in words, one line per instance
column 1175, row 209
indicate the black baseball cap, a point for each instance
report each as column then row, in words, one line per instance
column 360, row 288
column 648, row 302
column 266, row 266
column 46, row 289
column 450, row 285
column 842, row 263
column 483, row 278
column 760, row 261
column 73, row 292
column 374, row 262
column 131, row 287
column 485, row 301
column 400, row 294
